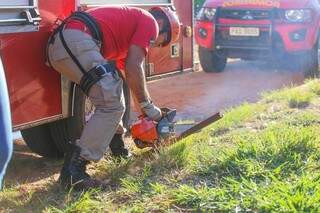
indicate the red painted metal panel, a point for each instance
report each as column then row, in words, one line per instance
column 185, row 11
column 162, row 61
column 34, row 89
column 161, row 57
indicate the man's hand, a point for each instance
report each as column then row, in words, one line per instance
column 151, row 111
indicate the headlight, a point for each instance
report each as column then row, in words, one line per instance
column 298, row 16
column 206, row 14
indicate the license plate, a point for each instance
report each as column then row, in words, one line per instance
column 244, row 31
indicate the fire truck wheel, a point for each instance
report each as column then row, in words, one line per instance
column 40, row 141
column 70, row 129
column 211, row 61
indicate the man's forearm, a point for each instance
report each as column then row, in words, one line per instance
column 137, row 82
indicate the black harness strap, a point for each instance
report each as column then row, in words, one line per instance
column 96, row 73
column 75, row 60
column 90, row 23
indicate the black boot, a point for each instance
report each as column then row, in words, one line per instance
column 73, row 173
column 117, row 147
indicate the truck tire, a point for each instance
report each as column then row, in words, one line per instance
column 69, row 129
column 310, row 62
column 40, row 141
column 212, row 61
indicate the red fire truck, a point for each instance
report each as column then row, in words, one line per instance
column 47, row 108
column 285, row 30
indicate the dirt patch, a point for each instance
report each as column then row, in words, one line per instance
column 198, row 95
column 29, row 168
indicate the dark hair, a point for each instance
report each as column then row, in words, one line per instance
column 160, row 15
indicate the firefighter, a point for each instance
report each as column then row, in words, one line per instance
column 5, row 126
column 90, row 48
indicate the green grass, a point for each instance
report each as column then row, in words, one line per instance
column 83, row 202
column 294, row 97
column 262, row 157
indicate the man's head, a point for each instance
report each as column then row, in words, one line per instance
column 169, row 25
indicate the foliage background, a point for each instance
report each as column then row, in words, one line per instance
column 198, row 4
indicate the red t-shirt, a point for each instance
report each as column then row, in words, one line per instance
column 123, row 27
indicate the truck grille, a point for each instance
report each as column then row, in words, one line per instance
column 245, row 14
